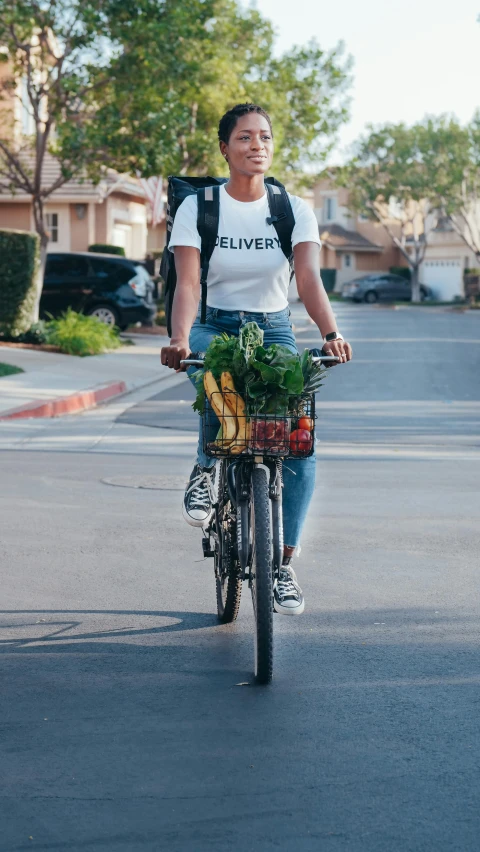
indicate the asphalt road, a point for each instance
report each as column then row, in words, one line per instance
column 128, row 716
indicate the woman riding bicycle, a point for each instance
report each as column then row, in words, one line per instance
column 247, row 281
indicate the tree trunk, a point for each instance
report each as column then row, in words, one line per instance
column 415, row 279
column 39, row 216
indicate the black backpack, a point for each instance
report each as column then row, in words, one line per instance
column 207, row 190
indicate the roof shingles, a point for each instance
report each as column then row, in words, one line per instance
column 79, row 187
column 339, row 238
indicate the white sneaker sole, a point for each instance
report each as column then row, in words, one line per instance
column 196, row 522
column 290, row 610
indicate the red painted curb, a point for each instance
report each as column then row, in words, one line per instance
column 79, row 401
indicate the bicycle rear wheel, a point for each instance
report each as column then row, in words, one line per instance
column 227, row 572
column 262, row 578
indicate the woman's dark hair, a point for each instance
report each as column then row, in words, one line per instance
column 229, row 120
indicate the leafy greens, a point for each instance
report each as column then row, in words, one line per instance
column 271, row 379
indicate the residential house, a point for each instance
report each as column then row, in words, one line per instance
column 79, row 213
column 446, row 258
column 352, row 245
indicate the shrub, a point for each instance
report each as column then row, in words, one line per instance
column 404, row 271
column 76, row 334
column 19, row 259
column 37, row 333
column 105, row 248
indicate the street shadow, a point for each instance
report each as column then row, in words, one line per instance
column 183, row 621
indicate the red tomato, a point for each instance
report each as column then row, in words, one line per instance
column 305, row 423
column 300, row 442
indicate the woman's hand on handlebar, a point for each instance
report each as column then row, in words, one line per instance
column 171, row 355
column 340, row 348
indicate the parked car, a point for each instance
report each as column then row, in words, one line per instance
column 385, row 286
column 116, row 290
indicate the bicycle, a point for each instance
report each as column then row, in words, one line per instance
column 245, row 535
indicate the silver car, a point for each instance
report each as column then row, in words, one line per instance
column 384, row 286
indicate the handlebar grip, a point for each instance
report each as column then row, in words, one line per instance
column 327, row 360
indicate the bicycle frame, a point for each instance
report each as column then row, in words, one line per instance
column 245, row 535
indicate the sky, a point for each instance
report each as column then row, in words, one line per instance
column 411, row 58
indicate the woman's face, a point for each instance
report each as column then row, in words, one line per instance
column 250, row 147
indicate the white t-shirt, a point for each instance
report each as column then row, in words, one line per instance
column 248, row 270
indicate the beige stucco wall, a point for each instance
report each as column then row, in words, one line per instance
column 79, row 228
column 372, row 262
column 377, row 234
column 328, row 258
column 157, row 237
column 13, row 215
column 447, row 244
column 325, row 187
column 101, row 217
column 130, row 218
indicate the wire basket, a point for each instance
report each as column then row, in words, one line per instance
column 231, row 432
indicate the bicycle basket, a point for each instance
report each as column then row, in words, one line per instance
column 230, row 431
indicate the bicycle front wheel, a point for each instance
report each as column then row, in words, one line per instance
column 228, row 578
column 262, row 576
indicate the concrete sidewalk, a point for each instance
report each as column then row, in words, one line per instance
column 53, row 384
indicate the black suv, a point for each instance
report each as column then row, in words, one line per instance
column 116, row 290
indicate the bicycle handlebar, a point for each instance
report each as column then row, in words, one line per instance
column 196, row 359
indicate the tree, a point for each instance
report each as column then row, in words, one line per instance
column 305, row 92
column 207, row 70
column 139, row 85
column 394, row 179
column 459, row 179
column 77, row 68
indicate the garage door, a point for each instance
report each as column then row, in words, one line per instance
column 444, row 277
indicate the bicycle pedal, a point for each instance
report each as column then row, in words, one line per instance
column 206, row 547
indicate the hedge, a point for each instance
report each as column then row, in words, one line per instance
column 403, row 271
column 19, row 259
column 329, row 277
column 105, row 248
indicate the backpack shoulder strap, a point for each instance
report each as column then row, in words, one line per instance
column 207, row 225
column 281, row 214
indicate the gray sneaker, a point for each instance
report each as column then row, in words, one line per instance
column 200, row 496
column 287, row 594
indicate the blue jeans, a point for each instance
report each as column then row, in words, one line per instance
column 298, row 474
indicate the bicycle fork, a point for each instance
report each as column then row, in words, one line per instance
column 239, row 485
column 239, row 482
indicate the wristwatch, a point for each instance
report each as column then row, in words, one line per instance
column 334, row 335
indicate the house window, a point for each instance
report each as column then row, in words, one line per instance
column 347, row 261
column 330, row 209
column 52, row 227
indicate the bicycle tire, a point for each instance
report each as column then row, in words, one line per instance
column 228, row 581
column 262, row 579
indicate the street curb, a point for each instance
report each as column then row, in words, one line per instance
column 80, row 401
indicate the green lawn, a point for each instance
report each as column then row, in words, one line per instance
column 9, row 370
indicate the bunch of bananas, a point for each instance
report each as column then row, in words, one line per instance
column 231, row 410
